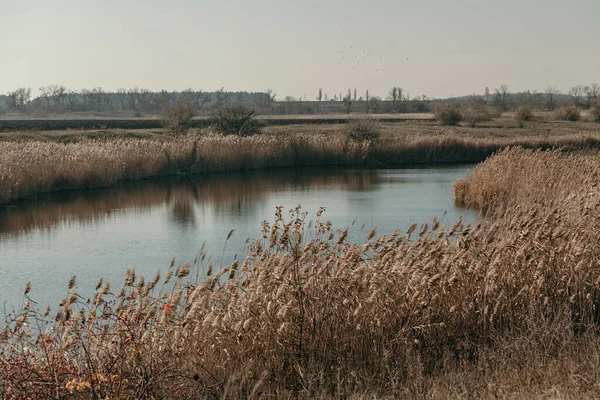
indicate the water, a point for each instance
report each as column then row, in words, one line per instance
column 99, row 233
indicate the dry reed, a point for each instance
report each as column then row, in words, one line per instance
column 28, row 168
column 506, row 305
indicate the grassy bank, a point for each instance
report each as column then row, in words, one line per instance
column 507, row 308
column 33, row 163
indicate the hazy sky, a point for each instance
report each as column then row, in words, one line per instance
column 434, row 47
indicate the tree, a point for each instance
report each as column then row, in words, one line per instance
column 487, row 94
column 220, row 97
column 576, row 93
column 347, row 102
column 132, row 98
column 502, row 97
column 236, row 119
column 367, row 103
column 591, row 94
column 45, row 94
column 178, row 118
column 19, row 99
column 355, row 94
column 58, row 94
column 268, row 98
column 72, row 99
column 551, row 93
column 393, row 94
column 320, row 95
column 374, row 104
column 122, row 97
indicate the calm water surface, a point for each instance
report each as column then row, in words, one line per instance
column 100, row 233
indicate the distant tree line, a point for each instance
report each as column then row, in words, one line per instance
column 136, row 102
column 58, row 99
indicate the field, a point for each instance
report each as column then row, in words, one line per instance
column 506, row 308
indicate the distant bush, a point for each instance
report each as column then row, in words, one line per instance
column 476, row 111
column 178, row 118
column 524, row 113
column 595, row 111
column 448, row 114
column 363, row 130
column 236, row 119
column 567, row 114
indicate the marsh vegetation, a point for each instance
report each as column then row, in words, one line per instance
column 505, row 306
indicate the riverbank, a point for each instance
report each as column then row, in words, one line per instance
column 503, row 309
column 33, row 163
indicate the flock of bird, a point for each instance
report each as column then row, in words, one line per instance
column 355, row 55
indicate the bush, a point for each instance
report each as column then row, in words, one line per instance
column 567, row 114
column 448, row 114
column 236, row 119
column 476, row 111
column 524, row 113
column 178, row 118
column 595, row 111
column 363, row 130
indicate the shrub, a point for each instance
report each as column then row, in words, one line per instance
column 567, row 114
column 178, row 118
column 236, row 119
column 361, row 136
column 595, row 111
column 363, row 130
column 448, row 114
column 524, row 113
column 476, row 111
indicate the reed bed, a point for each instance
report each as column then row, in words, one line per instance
column 506, row 308
column 28, row 168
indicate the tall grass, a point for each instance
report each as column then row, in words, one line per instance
column 308, row 314
column 29, row 168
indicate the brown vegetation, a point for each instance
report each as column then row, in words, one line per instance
column 31, row 167
column 448, row 114
column 567, row 114
column 505, row 308
column 476, row 111
column 523, row 114
column 178, row 118
column 595, row 111
column 236, row 119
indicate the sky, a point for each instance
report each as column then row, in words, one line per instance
column 439, row 48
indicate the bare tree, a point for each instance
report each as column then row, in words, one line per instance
column 19, row 99
column 132, row 98
column 354, row 94
column 551, row 92
column 57, row 94
column 576, row 93
column 393, row 95
column 502, row 97
column 591, row 94
column 320, row 95
column 72, row 99
column 122, row 97
column 348, row 102
column 374, row 101
column 45, row 94
column 220, row 97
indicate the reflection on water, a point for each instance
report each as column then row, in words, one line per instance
column 230, row 193
column 145, row 224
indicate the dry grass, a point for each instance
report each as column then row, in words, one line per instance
column 506, row 308
column 33, row 163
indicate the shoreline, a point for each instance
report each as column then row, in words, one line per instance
column 30, row 168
